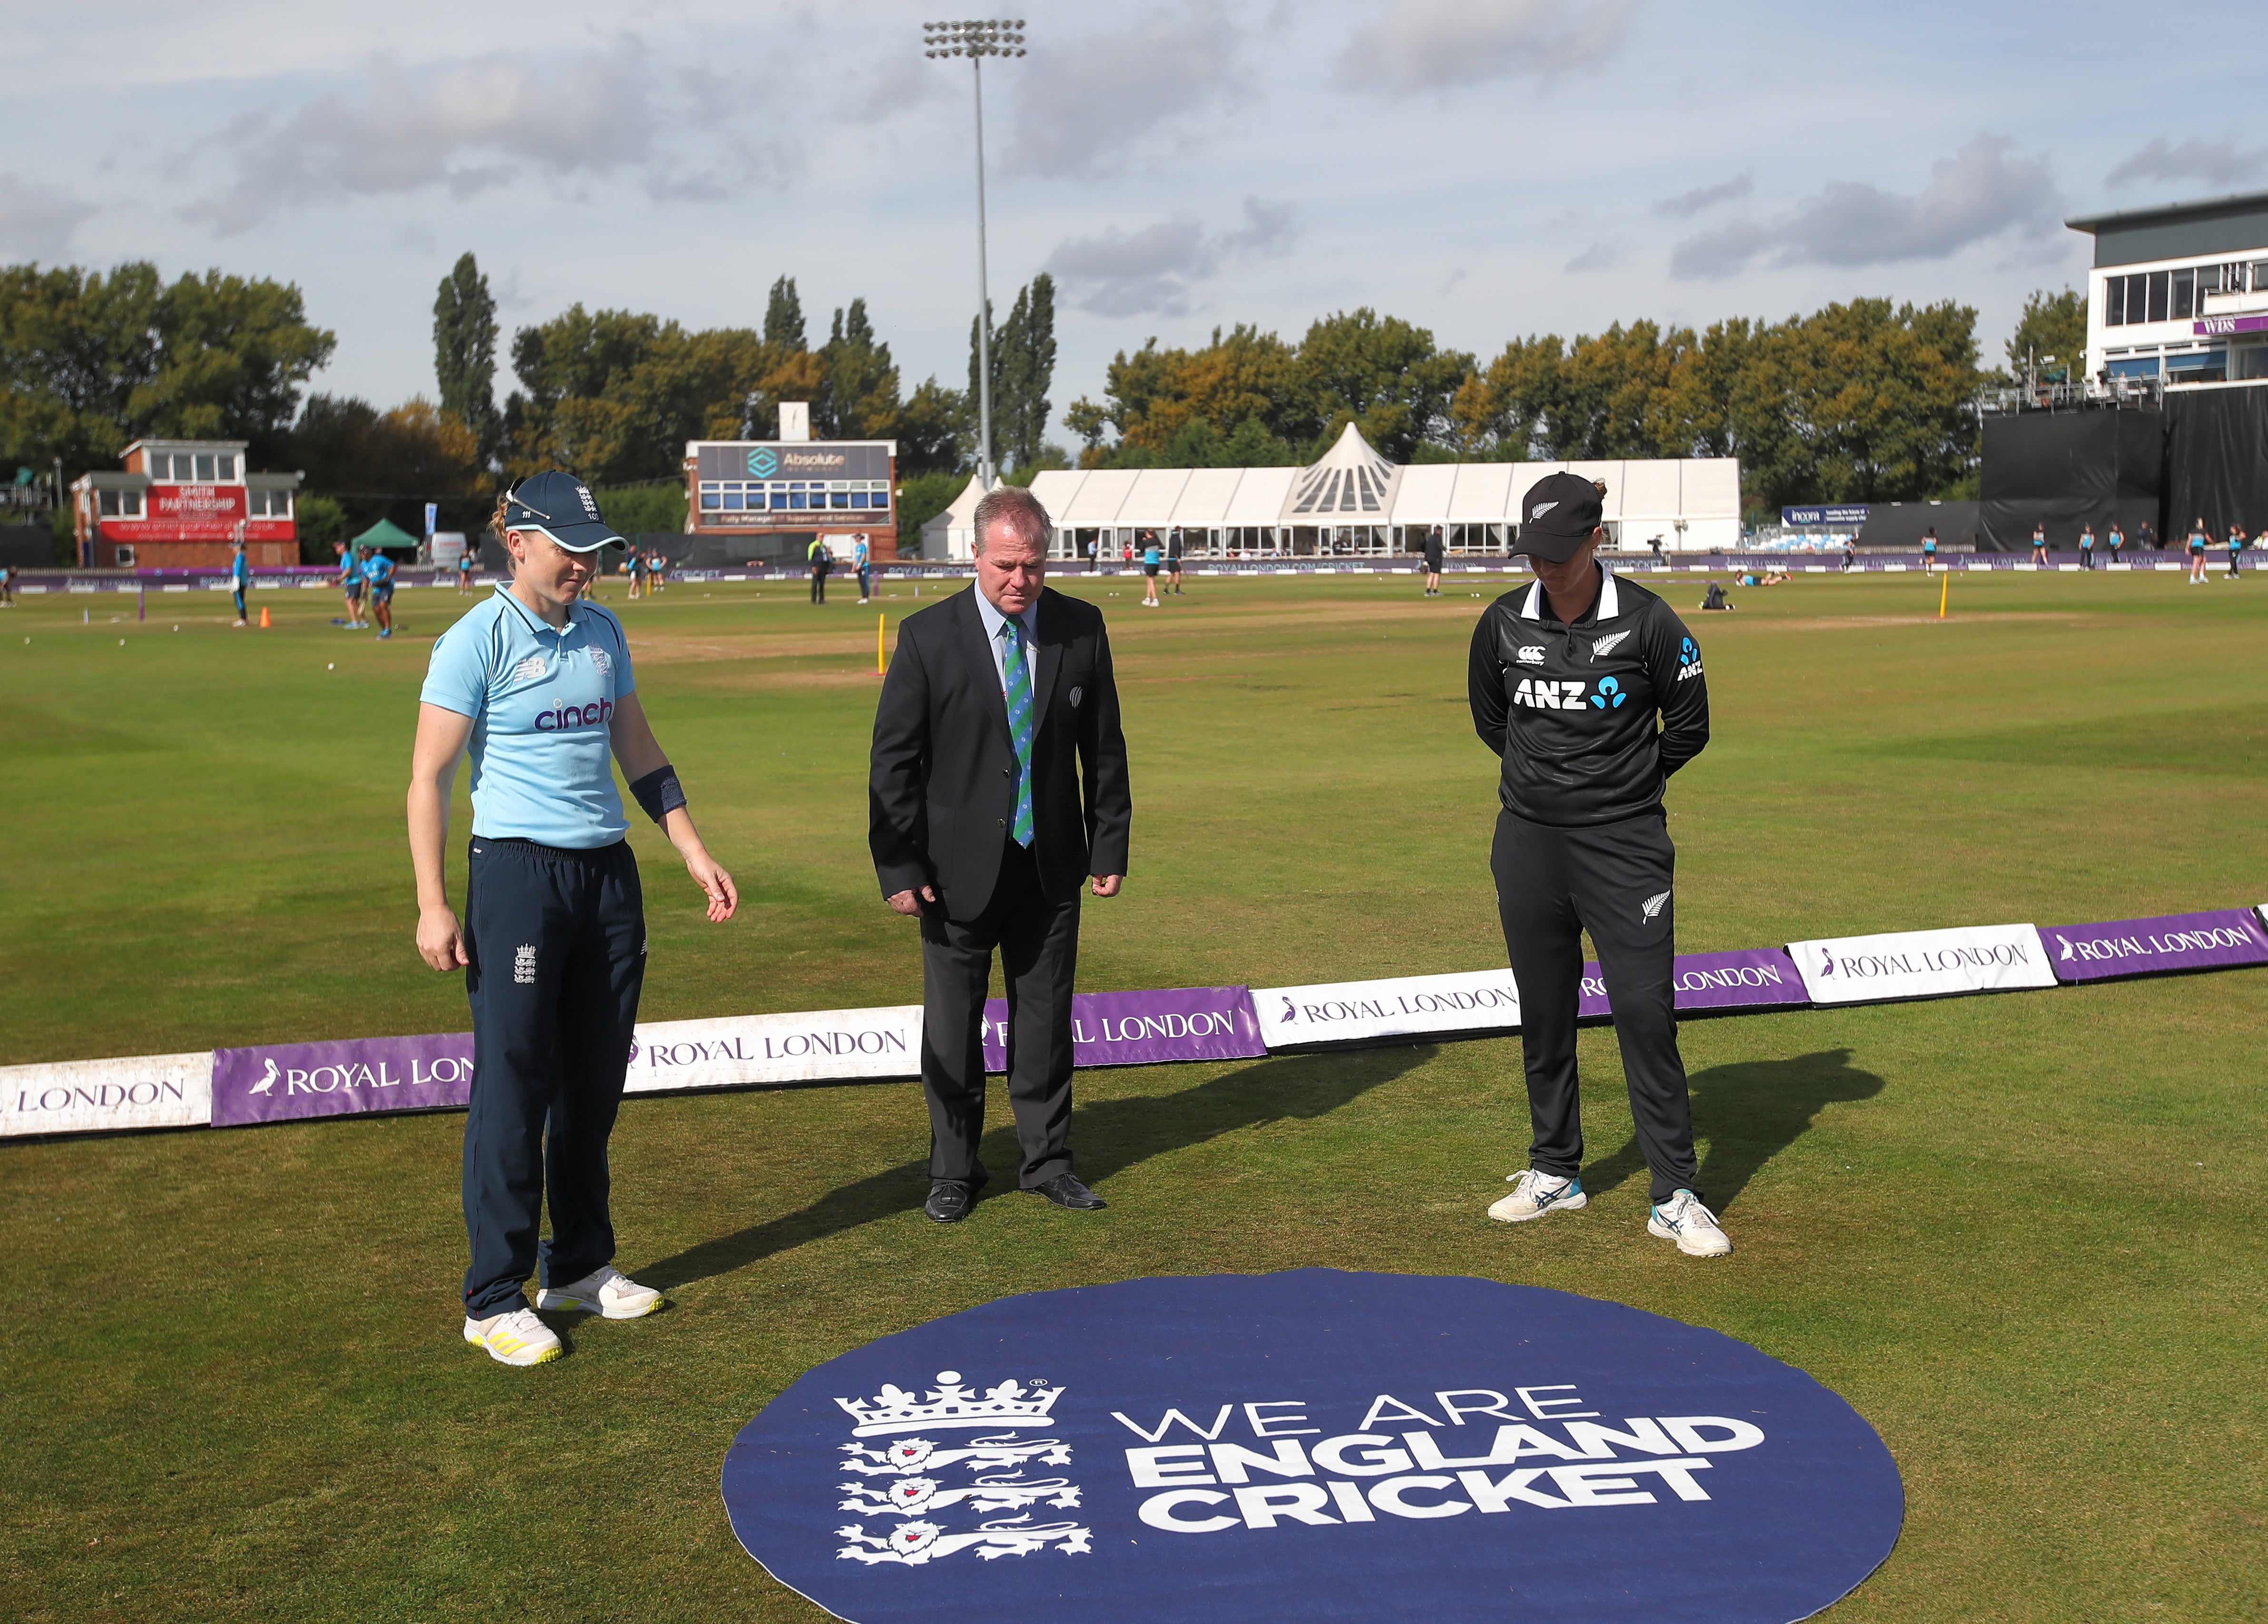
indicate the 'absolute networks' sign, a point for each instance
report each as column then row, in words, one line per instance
column 1311, row 1443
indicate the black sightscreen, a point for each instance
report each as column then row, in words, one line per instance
column 2065, row 470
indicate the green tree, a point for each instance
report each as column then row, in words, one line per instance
column 92, row 362
column 2053, row 325
column 784, row 317
column 464, row 349
column 1382, row 375
column 858, row 393
column 1025, row 348
column 934, row 432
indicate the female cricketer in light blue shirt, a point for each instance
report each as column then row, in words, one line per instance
column 537, row 685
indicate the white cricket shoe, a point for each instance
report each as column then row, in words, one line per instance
column 516, row 1338
column 1534, row 1194
column 1683, row 1219
column 605, row 1291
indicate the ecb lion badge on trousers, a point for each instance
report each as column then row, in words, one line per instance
column 1311, row 1443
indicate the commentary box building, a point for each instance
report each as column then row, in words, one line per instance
column 182, row 504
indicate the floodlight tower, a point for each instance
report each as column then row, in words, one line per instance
column 976, row 41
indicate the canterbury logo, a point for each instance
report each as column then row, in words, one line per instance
column 1607, row 643
column 1652, row 905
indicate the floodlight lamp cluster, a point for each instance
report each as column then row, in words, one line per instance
column 990, row 37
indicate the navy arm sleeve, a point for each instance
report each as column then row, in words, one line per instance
column 1485, row 684
column 1674, row 660
column 1105, row 785
column 897, row 820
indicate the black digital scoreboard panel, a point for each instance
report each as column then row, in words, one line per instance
column 792, row 484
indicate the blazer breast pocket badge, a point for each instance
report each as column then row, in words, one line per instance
column 1076, row 695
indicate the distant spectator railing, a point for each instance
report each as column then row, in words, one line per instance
column 2093, row 391
column 33, row 498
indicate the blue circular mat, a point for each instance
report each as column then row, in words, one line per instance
column 1313, row 1444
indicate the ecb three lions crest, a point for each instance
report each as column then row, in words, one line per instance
column 1313, row 1444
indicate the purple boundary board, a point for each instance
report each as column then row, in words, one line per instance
column 1146, row 1028
column 1747, row 979
column 2169, row 944
column 285, row 1082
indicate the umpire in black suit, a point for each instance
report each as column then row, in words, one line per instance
column 984, row 825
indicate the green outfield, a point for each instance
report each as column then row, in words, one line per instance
column 2019, row 1233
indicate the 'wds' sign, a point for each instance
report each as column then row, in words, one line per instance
column 1313, row 1444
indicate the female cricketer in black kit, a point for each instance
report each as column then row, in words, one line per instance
column 1565, row 680
column 537, row 681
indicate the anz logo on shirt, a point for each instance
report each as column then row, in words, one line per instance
column 1688, row 659
column 1545, row 694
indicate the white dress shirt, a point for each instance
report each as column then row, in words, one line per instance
column 995, row 629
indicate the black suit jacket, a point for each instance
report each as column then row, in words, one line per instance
column 942, row 786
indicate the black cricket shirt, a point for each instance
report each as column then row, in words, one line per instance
column 1572, row 709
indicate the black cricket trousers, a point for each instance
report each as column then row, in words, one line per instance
column 1616, row 880
column 557, row 942
column 1038, row 943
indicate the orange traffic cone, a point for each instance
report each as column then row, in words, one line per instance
column 264, row 622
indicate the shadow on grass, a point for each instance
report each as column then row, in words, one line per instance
column 1749, row 1113
column 1107, row 1137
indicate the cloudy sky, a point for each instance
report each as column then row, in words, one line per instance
column 1485, row 168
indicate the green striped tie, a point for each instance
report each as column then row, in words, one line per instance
column 1020, row 727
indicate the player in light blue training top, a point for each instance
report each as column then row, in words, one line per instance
column 239, row 578
column 536, row 682
column 378, row 569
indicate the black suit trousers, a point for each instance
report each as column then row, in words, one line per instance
column 1038, row 943
column 1616, row 880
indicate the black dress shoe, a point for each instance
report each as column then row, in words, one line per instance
column 949, row 1201
column 1065, row 1190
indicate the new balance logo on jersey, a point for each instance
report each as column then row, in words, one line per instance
column 1607, row 643
column 1652, row 905
column 1546, row 694
column 1531, row 654
column 529, row 669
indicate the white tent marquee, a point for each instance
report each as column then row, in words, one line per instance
column 1354, row 501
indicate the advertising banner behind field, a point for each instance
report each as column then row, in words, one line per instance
column 1756, row 978
column 281, row 1082
column 1146, row 1028
column 1922, row 964
column 1364, row 1011
column 103, row 1096
column 742, row 1051
column 2171, row 942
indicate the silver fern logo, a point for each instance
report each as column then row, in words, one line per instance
column 1607, row 643
column 1653, row 905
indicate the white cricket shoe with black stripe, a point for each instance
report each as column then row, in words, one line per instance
column 1683, row 1219
column 605, row 1291
column 1534, row 1194
column 516, row 1338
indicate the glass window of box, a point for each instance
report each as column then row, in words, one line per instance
column 204, row 467
column 226, row 465
column 105, row 502
column 2160, row 283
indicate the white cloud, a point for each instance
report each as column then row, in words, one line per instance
column 478, row 125
column 1084, row 104
column 1598, row 257
column 2217, row 163
column 1429, row 44
column 1986, row 190
column 1151, row 271
column 1685, row 205
column 37, row 220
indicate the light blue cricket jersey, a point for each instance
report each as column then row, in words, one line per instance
column 540, row 700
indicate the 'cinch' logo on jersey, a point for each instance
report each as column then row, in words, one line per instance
column 561, row 718
column 1545, row 694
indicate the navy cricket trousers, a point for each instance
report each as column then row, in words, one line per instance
column 557, row 942
column 1615, row 880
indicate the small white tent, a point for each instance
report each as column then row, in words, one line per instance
column 952, row 533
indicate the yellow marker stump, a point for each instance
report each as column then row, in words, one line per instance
column 880, row 621
column 1944, row 587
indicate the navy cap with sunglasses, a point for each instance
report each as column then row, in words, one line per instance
column 561, row 506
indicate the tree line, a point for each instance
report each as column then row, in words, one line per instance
column 1863, row 400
